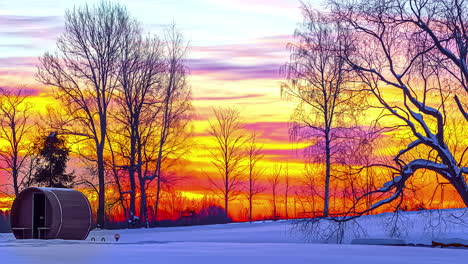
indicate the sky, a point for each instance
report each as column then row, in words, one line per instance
column 237, row 47
column 236, row 50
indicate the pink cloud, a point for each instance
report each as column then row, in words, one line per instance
column 43, row 27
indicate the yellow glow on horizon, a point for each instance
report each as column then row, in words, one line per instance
column 193, row 195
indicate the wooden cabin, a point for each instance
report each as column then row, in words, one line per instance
column 51, row 213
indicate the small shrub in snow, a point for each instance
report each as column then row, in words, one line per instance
column 397, row 225
column 328, row 230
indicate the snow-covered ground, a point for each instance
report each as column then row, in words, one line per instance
column 259, row 242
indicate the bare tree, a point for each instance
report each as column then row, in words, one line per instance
column 254, row 156
column 275, row 180
column 138, row 96
column 286, row 191
column 308, row 191
column 112, row 165
column 15, row 125
column 418, row 50
column 318, row 78
column 84, row 72
column 175, row 109
column 227, row 157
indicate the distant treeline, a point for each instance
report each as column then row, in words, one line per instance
column 210, row 215
column 4, row 222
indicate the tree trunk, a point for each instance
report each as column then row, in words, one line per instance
column 143, row 202
column 250, row 193
column 131, row 175
column 102, row 189
column 143, row 205
column 162, row 141
column 250, row 211
column 226, row 193
column 158, row 194
column 226, row 207
column 158, row 176
column 15, row 181
column 286, row 195
column 274, row 206
column 327, row 172
column 15, row 169
column 461, row 189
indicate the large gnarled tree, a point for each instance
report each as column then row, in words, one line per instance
column 416, row 49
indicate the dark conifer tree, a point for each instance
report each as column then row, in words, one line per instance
column 52, row 163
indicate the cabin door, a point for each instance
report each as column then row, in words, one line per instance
column 39, row 213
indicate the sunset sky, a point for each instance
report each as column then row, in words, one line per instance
column 237, row 48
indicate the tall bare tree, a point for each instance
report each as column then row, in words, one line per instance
column 115, row 169
column 254, row 157
column 84, row 71
column 416, row 49
column 137, row 96
column 227, row 157
column 15, row 125
column 286, row 191
column 175, row 111
column 318, row 78
column 275, row 181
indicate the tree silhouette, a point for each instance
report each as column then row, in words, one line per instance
column 84, row 73
column 318, row 79
column 15, row 112
column 52, row 163
column 227, row 155
column 416, row 50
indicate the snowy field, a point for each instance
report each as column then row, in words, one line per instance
column 259, row 242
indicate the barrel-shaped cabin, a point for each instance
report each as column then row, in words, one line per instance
column 51, row 213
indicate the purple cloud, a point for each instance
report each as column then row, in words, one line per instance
column 270, row 47
column 269, row 53
column 272, row 131
column 22, row 21
column 27, row 91
column 233, row 72
column 43, row 27
column 10, row 62
column 41, row 33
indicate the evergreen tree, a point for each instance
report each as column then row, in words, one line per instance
column 52, row 163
